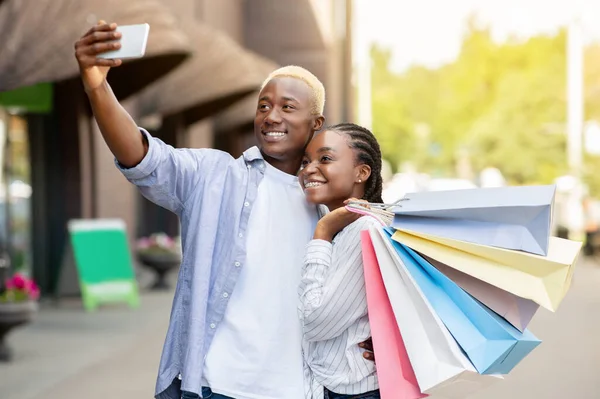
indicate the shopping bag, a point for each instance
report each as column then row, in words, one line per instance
column 543, row 279
column 516, row 310
column 395, row 374
column 440, row 366
column 492, row 344
column 515, row 218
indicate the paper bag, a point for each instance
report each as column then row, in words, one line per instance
column 517, row 218
column 516, row 310
column 542, row 279
column 492, row 344
column 394, row 372
column 441, row 368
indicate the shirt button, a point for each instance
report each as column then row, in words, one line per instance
column 212, row 325
column 246, row 203
column 249, row 166
column 240, row 235
column 237, row 264
column 225, row 295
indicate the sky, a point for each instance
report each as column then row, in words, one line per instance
column 429, row 32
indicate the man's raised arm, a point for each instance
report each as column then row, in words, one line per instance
column 118, row 128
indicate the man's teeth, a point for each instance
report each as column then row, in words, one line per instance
column 312, row 184
column 274, row 134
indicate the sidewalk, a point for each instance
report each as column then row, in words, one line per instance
column 114, row 353
column 67, row 353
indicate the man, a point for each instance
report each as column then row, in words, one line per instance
column 234, row 330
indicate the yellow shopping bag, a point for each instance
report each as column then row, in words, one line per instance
column 543, row 279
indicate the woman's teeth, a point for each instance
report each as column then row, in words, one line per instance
column 312, row 184
column 274, row 134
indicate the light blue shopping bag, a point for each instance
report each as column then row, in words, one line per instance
column 492, row 344
column 516, row 218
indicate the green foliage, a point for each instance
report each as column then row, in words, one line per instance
column 502, row 103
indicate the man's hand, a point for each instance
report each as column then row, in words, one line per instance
column 334, row 222
column 368, row 347
column 99, row 39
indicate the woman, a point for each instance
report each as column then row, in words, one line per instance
column 342, row 162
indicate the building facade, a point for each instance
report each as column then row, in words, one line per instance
column 56, row 164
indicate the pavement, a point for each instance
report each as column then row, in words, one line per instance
column 68, row 353
column 114, row 353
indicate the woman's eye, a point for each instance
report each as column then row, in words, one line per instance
column 325, row 158
column 304, row 163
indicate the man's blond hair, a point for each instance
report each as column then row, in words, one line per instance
column 316, row 87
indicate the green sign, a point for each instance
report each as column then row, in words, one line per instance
column 36, row 99
column 103, row 262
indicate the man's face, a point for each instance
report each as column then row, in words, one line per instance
column 284, row 121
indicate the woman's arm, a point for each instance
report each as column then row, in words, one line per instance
column 332, row 290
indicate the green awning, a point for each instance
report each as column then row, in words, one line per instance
column 34, row 99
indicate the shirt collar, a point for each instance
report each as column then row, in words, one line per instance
column 253, row 154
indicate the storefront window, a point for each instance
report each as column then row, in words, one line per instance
column 15, row 191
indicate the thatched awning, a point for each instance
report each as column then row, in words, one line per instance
column 37, row 39
column 243, row 112
column 219, row 73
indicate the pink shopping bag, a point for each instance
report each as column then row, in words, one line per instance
column 395, row 373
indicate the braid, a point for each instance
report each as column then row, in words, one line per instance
column 368, row 152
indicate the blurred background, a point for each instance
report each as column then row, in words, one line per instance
column 460, row 94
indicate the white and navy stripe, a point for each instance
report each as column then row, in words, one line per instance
column 333, row 310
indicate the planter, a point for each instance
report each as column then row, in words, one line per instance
column 13, row 314
column 161, row 264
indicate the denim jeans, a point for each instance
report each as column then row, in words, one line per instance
column 206, row 394
column 366, row 395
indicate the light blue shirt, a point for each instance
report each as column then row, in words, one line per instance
column 212, row 193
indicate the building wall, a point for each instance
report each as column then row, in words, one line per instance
column 225, row 15
column 87, row 184
column 256, row 24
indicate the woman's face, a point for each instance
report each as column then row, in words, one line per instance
column 329, row 172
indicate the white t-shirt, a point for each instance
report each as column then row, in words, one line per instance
column 257, row 349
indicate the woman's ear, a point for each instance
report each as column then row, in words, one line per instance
column 363, row 173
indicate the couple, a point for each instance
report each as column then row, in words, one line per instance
column 249, row 319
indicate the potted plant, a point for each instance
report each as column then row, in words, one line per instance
column 18, row 304
column 161, row 254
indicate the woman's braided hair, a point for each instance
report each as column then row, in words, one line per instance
column 367, row 152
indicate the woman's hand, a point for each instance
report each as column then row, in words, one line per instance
column 334, row 222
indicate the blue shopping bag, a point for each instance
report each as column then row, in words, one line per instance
column 491, row 343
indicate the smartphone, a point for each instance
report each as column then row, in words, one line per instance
column 133, row 42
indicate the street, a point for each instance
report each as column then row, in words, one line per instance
column 114, row 353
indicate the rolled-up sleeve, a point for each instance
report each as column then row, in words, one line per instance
column 167, row 176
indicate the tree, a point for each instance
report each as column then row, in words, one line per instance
column 502, row 103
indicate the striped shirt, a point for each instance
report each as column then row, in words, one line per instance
column 333, row 310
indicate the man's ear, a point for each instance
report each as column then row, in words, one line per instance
column 364, row 172
column 318, row 123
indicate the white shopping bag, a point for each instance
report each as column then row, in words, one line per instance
column 441, row 368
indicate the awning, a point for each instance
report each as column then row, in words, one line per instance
column 219, row 73
column 38, row 36
column 242, row 113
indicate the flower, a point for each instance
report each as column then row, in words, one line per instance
column 19, row 288
column 19, row 281
column 158, row 243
